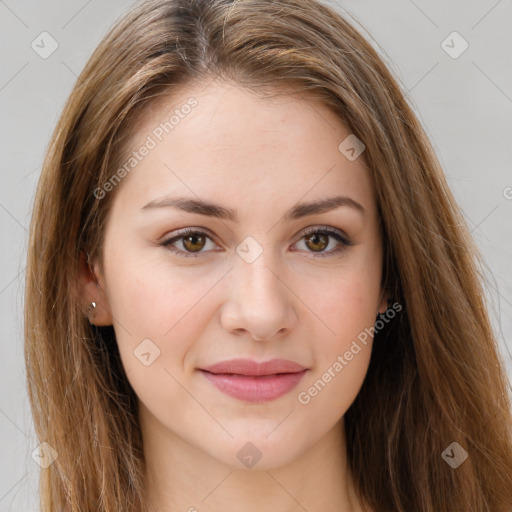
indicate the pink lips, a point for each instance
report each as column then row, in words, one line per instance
column 252, row 381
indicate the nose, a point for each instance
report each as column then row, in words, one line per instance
column 260, row 303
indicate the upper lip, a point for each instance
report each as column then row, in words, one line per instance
column 254, row 368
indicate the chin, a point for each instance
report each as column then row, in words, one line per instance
column 256, row 453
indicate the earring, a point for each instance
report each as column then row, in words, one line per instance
column 91, row 309
column 389, row 304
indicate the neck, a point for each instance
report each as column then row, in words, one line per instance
column 180, row 477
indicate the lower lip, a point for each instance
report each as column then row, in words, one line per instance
column 255, row 388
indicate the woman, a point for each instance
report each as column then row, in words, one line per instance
column 248, row 285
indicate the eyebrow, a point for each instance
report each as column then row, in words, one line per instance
column 214, row 210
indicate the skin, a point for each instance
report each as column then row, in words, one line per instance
column 259, row 157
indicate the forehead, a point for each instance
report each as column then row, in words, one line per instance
column 222, row 139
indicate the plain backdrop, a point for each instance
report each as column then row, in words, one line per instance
column 464, row 101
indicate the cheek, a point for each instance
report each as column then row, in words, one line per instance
column 341, row 357
column 346, row 306
column 150, row 301
column 334, row 384
column 151, row 296
column 163, row 318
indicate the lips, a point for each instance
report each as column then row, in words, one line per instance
column 253, row 368
column 252, row 381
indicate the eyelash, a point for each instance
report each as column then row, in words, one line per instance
column 344, row 241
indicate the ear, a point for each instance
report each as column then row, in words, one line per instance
column 384, row 301
column 91, row 289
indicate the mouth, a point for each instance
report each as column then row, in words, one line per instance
column 250, row 381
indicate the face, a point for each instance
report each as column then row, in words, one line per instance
column 243, row 266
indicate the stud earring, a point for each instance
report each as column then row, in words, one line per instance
column 389, row 304
column 91, row 310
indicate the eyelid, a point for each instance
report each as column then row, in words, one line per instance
column 182, row 233
column 326, row 229
column 340, row 236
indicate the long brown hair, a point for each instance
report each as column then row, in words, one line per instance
column 435, row 375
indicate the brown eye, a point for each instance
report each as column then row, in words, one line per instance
column 317, row 241
column 194, row 243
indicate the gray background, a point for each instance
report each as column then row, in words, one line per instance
column 464, row 103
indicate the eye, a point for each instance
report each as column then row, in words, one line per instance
column 192, row 240
column 317, row 240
